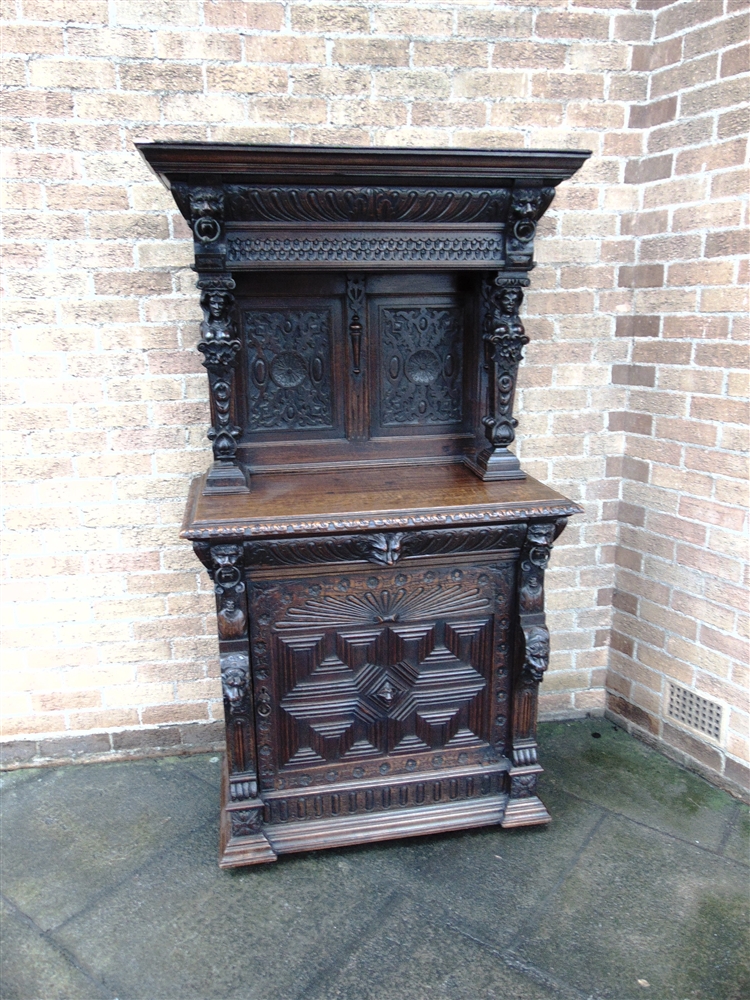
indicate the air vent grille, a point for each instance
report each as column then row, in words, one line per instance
column 692, row 710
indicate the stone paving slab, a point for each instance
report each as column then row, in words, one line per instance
column 112, row 889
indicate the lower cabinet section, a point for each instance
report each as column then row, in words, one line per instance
column 367, row 701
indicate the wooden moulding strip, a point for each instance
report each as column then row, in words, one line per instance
column 415, row 822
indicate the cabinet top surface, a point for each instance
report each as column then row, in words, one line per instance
column 368, row 499
column 196, row 162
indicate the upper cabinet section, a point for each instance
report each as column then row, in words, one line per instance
column 306, row 207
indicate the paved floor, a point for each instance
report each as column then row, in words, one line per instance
column 639, row 888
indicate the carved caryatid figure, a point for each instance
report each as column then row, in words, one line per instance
column 235, row 674
column 216, row 302
column 536, row 661
column 504, row 339
column 220, row 348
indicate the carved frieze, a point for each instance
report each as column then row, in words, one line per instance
column 288, row 203
column 378, row 605
column 411, row 519
column 365, row 249
column 383, row 548
column 440, row 788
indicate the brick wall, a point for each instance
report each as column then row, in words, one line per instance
column 680, row 598
column 629, row 400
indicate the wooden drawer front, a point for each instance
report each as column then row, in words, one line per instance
column 368, row 673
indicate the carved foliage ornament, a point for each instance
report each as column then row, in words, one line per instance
column 421, row 376
column 290, row 365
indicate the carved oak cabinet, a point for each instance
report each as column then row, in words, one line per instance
column 377, row 552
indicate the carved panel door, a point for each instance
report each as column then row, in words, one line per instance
column 376, row 671
column 293, row 368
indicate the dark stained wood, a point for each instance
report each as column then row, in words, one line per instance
column 377, row 552
column 363, row 499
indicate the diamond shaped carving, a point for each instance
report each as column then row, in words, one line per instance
column 361, row 699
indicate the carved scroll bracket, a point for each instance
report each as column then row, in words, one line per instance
column 504, row 338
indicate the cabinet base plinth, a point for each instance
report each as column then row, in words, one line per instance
column 525, row 812
column 492, row 466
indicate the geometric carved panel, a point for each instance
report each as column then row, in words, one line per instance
column 420, row 366
column 380, row 691
column 289, row 366
column 388, row 669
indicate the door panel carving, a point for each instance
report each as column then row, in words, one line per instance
column 290, row 369
column 419, row 369
column 370, row 666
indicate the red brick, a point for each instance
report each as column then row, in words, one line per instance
column 654, row 56
column 729, row 243
column 633, row 375
column 622, row 643
column 674, row 527
column 632, row 713
column 693, row 747
column 237, row 14
column 651, row 168
column 564, row 25
column 735, row 61
column 655, row 113
column 641, row 276
column 632, row 423
column 709, row 512
column 679, row 17
column 637, row 326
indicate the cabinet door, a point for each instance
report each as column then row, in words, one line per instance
column 293, row 362
column 396, row 669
